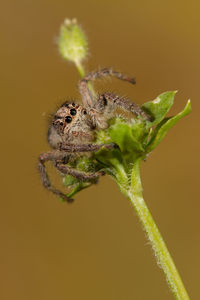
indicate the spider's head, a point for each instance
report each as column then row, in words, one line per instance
column 70, row 121
column 68, row 116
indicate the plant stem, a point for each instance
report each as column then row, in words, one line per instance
column 160, row 249
column 134, row 193
column 81, row 71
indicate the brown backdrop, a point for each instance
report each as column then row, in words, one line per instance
column 95, row 248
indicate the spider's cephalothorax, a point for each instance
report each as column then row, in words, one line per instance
column 70, row 124
column 72, row 128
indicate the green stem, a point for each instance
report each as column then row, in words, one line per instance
column 80, row 68
column 81, row 71
column 134, row 193
column 160, row 249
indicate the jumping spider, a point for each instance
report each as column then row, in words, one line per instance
column 73, row 127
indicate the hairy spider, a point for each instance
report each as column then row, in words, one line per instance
column 73, row 127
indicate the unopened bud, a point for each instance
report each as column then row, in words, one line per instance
column 72, row 41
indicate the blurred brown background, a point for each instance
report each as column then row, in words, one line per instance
column 95, row 248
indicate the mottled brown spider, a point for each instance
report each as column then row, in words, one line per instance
column 73, row 127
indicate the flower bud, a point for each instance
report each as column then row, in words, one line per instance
column 72, row 42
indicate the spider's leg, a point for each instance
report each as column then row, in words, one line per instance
column 83, row 176
column 85, row 147
column 88, row 98
column 53, row 155
column 110, row 101
column 60, row 155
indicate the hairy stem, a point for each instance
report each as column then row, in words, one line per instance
column 160, row 249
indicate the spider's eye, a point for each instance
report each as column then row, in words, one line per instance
column 73, row 111
column 61, row 123
column 68, row 119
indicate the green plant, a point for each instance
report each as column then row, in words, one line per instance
column 136, row 138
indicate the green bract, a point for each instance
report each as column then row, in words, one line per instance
column 136, row 138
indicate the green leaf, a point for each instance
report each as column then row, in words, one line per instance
column 163, row 127
column 69, row 180
column 129, row 136
column 79, row 187
column 126, row 136
column 84, row 164
column 159, row 107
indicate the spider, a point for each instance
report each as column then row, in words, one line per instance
column 73, row 127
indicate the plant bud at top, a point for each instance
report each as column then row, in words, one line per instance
column 72, row 41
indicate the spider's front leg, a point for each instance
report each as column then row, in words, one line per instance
column 51, row 156
column 80, row 175
column 110, row 101
column 58, row 155
column 85, row 147
column 83, row 176
column 88, row 98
